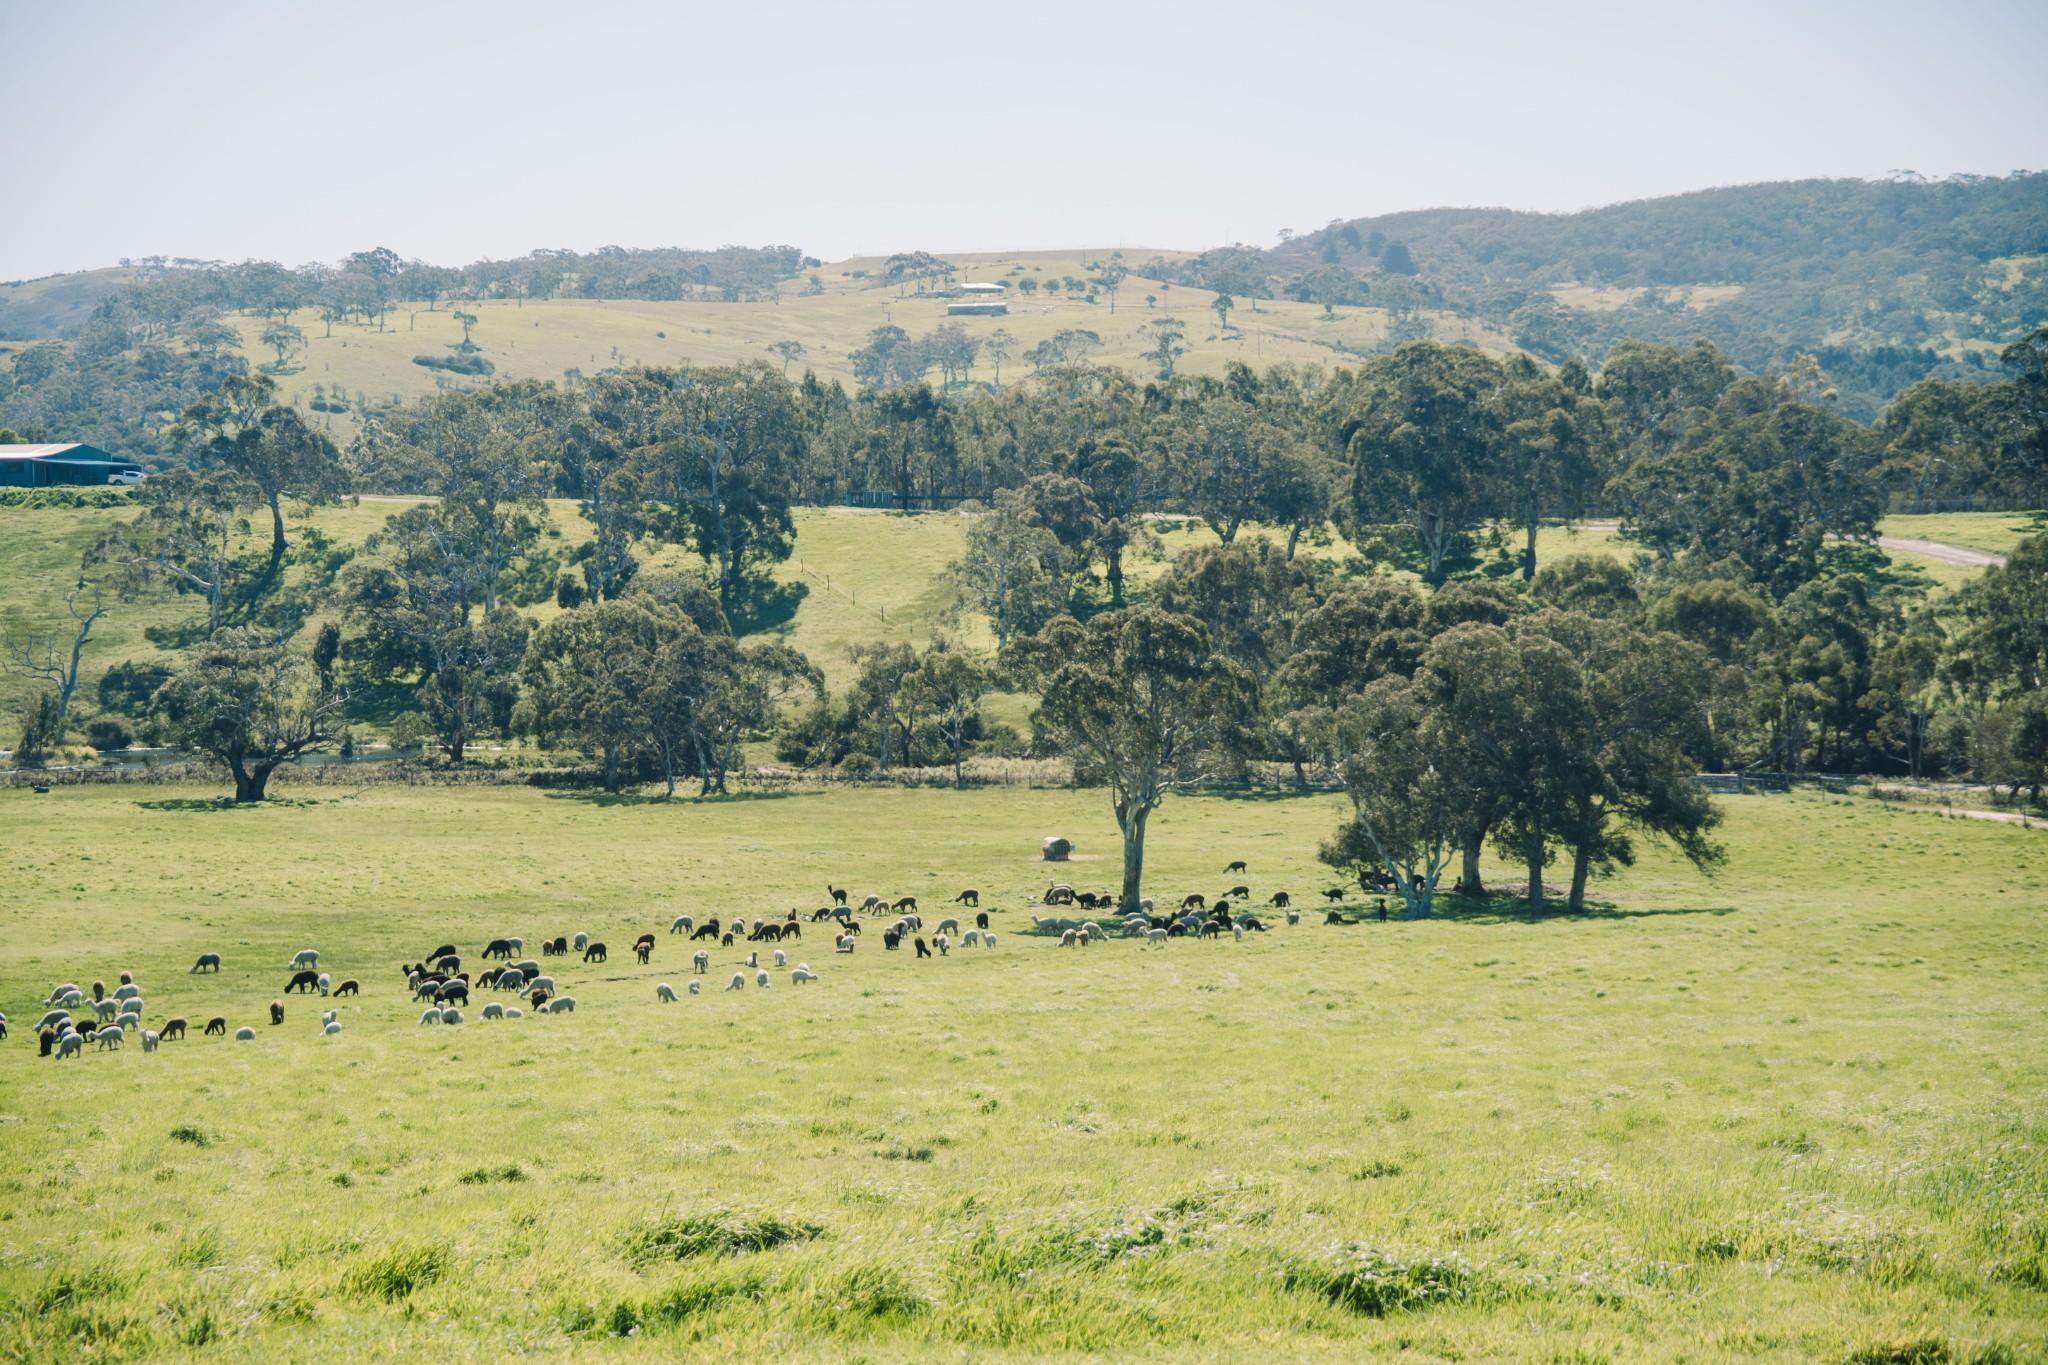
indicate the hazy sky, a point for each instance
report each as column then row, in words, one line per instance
column 450, row 131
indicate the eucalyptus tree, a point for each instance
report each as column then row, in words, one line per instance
column 1144, row 705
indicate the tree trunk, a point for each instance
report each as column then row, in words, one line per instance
column 611, row 769
column 1529, row 554
column 959, row 779
column 1582, row 859
column 1293, row 539
column 1131, row 820
column 1534, row 853
column 1116, row 576
column 250, row 783
column 1468, row 872
column 277, row 529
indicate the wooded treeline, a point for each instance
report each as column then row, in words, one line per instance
column 1554, row 710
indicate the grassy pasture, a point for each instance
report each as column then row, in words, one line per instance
column 541, row 339
column 1794, row 1112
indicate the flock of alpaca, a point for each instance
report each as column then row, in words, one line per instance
column 438, row 979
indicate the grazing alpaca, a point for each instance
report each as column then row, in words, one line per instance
column 922, row 951
column 838, row 895
column 683, row 925
column 701, row 960
column 594, row 953
column 277, row 1011
column 1278, row 900
column 1335, row 893
column 217, row 1025
column 970, row 898
column 981, row 920
column 665, row 993
column 1237, row 866
column 738, row 982
column 173, row 1028
column 208, row 962
column 1195, row 902
column 641, row 950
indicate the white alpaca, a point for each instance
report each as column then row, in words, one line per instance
column 761, row 979
column 701, row 960
column 738, row 982
column 781, row 958
column 325, row 983
column 801, row 975
column 1237, row 932
column 845, row 943
column 110, row 1036
column 149, row 1041
column 128, row 990
column 988, row 940
column 451, row 1016
column 333, row 1027
column 561, row 1004
column 326, row 1017
column 665, row 993
column 1069, row 937
column 753, row 960
column 514, row 1012
column 432, row 1016
column 948, row 926
column 580, row 942
column 60, row 992
column 1158, row 936
column 1294, row 916
column 683, row 925
column 72, row 1044
column 1092, row 930
column 971, row 938
column 305, row 957
column 494, row 1010
column 245, row 1034
column 696, row 987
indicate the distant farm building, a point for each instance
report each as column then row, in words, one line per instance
column 51, row 465
column 985, row 288
column 977, row 308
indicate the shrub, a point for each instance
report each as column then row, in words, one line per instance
column 719, row 1233
column 568, row 593
column 108, row 733
column 1374, row 1284
column 395, row 1273
column 186, row 1132
column 858, row 767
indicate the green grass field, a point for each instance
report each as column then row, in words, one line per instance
column 1795, row 1112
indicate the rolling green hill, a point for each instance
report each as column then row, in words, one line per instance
column 544, row 338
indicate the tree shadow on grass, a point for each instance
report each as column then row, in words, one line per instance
column 189, row 804
column 1490, row 910
column 1266, row 793
column 759, row 603
column 587, row 797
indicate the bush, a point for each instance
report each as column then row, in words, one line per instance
column 84, row 495
column 1374, row 1284
column 858, row 767
column 108, row 734
column 395, row 1274
column 568, row 593
column 36, row 717
column 721, row 1233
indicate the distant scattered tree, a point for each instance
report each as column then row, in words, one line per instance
column 1166, row 345
column 241, row 428
column 468, row 321
column 998, row 346
column 788, row 350
column 1110, row 277
column 252, row 705
column 44, row 658
column 285, row 339
column 951, row 684
column 885, row 670
column 1144, row 706
column 183, row 534
column 1010, row 569
column 1223, row 303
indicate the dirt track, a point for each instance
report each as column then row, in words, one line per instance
column 1943, row 554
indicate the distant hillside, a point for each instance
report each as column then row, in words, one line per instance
column 55, row 305
column 1885, row 282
